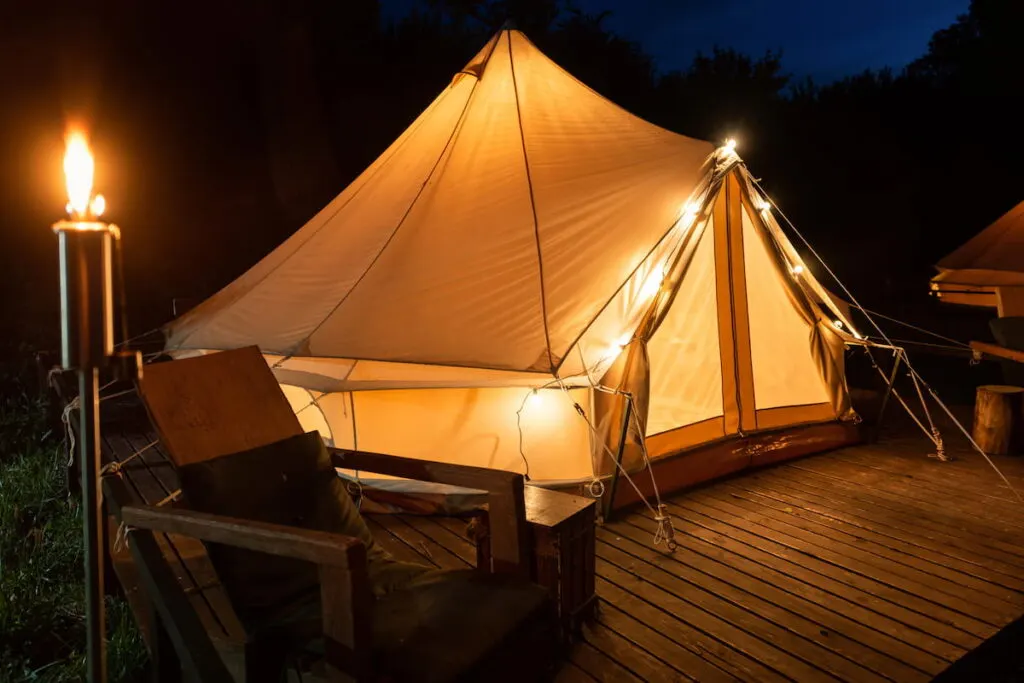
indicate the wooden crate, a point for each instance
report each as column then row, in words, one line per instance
column 562, row 536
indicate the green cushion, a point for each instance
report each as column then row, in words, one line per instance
column 290, row 482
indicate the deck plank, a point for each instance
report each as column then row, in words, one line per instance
column 871, row 563
column 941, row 503
column 858, row 511
column 986, row 575
column 440, row 537
column 638, row 662
column 396, row 546
column 966, row 495
column 876, row 632
column 974, row 536
column 904, row 578
column 823, row 648
column 599, row 666
column 571, row 673
column 658, row 632
column 930, row 568
column 970, row 472
column 751, row 634
column 191, row 552
column 429, row 549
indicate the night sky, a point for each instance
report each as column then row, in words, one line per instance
column 825, row 39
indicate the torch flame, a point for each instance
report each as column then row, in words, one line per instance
column 78, row 172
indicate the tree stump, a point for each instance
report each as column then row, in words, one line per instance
column 999, row 419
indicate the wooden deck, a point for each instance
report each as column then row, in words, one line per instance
column 866, row 564
column 871, row 563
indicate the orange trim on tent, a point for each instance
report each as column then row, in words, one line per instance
column 770, row 418
column 674, row 440
column 741, row 319
column 726, row 339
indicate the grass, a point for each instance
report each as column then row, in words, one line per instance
column 42, row 616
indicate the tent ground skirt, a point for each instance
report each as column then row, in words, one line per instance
column 691, row 466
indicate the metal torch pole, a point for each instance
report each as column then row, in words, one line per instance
column 92, row 502
column 87, row 344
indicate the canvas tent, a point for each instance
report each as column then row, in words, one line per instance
column 989, row 269
column 522, row 262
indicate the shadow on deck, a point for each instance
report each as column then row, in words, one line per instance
column 870, row 563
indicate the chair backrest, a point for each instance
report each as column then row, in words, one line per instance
column 217, row 404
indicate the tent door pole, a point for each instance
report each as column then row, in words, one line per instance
column 610, row 496
column 897, row 357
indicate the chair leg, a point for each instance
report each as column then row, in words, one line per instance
column 165, row 667
column 265, row 660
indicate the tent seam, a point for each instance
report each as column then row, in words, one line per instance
column 533, row 208
column 320, row 227
column 450, row 144
column 665, row 235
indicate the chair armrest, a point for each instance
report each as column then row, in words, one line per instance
column 506, row 505
column 345, row 595
column 318, row 547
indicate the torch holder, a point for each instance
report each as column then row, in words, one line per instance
column 86, row 251
column 86, row 293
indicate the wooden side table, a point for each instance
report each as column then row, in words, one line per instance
column 562, row 541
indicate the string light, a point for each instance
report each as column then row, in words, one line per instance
column 689, row 211
column 652, row 285
column 765, row 205
column 534, row 398
column 730, row 146
column 797, row 269
column 838, row 324
column 616, row 348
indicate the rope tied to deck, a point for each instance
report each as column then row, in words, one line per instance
column 116, row 466
column 665, row 533
column 72, row 405
column 121, row 536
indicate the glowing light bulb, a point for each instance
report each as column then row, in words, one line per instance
column 797, row 269
column 689, row 211
column 617, row 347
column 534, row 398
column 765, row 206
column 652, row 285
column 730, row 145
column 838, row 324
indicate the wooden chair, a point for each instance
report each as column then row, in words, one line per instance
column 214, row 405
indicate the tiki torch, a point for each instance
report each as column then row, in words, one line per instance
column 86, row 246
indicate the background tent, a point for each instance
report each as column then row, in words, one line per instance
column 522, row 263
column 989, row 269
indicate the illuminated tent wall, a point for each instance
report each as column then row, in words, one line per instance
column 989, row 269
column 524, row 247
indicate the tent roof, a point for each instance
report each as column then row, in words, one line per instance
column 490, row 234
column 995, row 256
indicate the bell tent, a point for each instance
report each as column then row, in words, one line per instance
column 531, row 278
